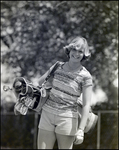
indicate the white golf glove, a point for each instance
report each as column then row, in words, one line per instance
column 79, row 137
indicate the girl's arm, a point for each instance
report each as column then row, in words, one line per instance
column 86, row 100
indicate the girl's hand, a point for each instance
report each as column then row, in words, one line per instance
column 79, row 137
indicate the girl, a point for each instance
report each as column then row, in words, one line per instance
column 59, row 117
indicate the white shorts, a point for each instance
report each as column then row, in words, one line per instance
column 58, row 124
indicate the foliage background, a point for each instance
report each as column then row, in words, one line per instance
column 33, row 34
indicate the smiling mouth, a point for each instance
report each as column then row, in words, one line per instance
column 76, row 57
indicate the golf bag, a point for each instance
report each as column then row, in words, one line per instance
column 29, row 96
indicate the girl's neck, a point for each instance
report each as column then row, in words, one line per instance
column 73, row 66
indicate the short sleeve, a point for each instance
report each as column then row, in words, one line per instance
column 87, row 80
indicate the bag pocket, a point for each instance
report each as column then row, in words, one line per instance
column 20, row 108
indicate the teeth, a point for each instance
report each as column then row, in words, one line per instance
column 76, row 57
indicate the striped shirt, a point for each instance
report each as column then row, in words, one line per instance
column 66, row 89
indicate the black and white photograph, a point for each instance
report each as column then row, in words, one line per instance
column 59, row 74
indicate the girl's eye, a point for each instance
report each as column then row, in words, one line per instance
column 74, row 49
column 80, row 51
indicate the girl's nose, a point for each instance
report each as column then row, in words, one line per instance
column 77, row 52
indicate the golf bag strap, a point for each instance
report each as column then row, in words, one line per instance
column 54, row 69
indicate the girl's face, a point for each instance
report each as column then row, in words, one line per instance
column 76, row 54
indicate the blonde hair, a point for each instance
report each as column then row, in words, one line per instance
column 76, row 42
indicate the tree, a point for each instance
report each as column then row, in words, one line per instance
column 36, row 31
